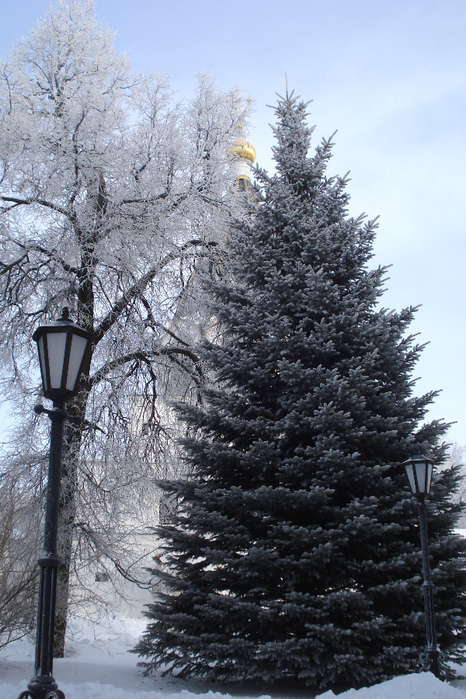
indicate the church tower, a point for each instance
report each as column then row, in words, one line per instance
column 244, row 155
column 187, row 324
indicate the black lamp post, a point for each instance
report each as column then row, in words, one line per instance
column 63, row 348
column 419, row 471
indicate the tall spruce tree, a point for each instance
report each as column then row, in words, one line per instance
column 295, row 550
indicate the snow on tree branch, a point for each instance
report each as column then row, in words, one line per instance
column 111, row 191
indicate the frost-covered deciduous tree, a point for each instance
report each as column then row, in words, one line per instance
column 19, row 537
column 295, row 551
column 456, row 459
column 111, row 192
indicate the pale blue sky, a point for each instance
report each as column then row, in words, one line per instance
column 390, row 75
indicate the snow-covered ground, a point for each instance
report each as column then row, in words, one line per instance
column 98, row 666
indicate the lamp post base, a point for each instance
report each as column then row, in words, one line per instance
column 42, row 688
column 429, row 662
column 432, row 660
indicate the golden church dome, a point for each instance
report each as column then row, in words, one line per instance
column 243, row 149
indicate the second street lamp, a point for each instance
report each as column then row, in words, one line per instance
column 419, row 471
column 63, row 348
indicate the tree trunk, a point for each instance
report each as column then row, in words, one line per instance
column 66, row 520
column 73, row 437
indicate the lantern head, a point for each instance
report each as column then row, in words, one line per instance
column 419, row 471
column 63, row 348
